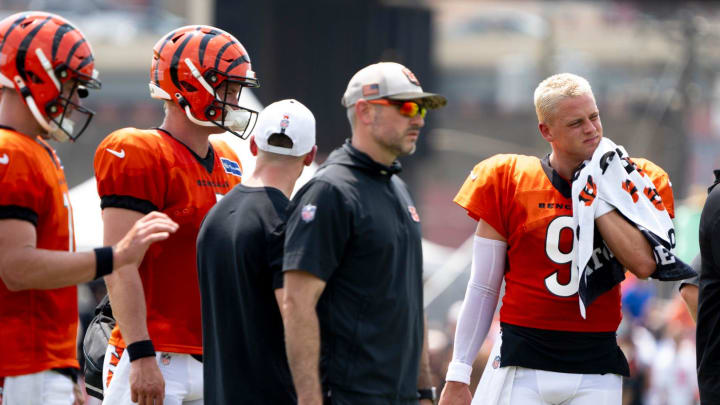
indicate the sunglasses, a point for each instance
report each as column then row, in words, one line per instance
column 407, row 108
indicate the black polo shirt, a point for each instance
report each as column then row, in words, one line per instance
column 239, row 255
column 355, row 226
column 708, row 321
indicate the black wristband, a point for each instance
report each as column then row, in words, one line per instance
column 428, row 393
column 103, row 261
column 140, row 349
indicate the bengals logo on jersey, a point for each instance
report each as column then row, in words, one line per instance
column 589, row 192
column 629, row 186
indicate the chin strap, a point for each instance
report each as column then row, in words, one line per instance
column 194, row 120
column 57, row 132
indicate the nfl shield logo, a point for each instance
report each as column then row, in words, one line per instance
column 308, row 213
column 284, row 123
column 496, row 362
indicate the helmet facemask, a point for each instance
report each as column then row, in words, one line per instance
column 55, row 114
column 224, row 110
column 226, row 105
column 58, row 111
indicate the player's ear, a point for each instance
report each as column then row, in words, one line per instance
column 310, row 156
column 253, row 146
column 363, row 112
column 545, row 131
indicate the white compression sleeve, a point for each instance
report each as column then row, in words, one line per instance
column 481, row 298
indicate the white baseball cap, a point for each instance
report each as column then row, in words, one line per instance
column 288, row 117
column 388, row 80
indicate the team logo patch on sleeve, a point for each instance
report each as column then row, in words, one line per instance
column 308, row 212
column 413, row 213
column 231, row 167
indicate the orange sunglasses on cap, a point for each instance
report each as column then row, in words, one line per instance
column 407, row 108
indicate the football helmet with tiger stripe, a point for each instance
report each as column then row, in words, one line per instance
column 203, row 70
column 48, row 61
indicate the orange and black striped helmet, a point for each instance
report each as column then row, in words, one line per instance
column 48, row 60
column 203, row 70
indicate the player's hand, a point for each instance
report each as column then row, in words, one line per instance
column 455, row 393
column 153, row 227
column 78, row 393
column 426, row 402
column 147, row 386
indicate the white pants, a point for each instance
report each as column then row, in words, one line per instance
column 182, row 373
column 43, row 388
column 524, row 386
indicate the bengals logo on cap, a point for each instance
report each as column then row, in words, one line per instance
column 411, row 76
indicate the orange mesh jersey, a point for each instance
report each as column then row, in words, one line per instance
column 518, row 197
column 38, row 328
column 147, row 170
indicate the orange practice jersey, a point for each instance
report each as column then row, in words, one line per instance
column 514, row 195
column 157, row 171
column 38, row 328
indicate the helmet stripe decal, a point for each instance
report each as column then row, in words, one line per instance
column 59, row 34
column 221, row 52
column 176, row 59
column 203, row 45
column 236, row 62
column 12, row 27
column 167, row 39
column 85, row 62
column 23, row 47
column 73, row 50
